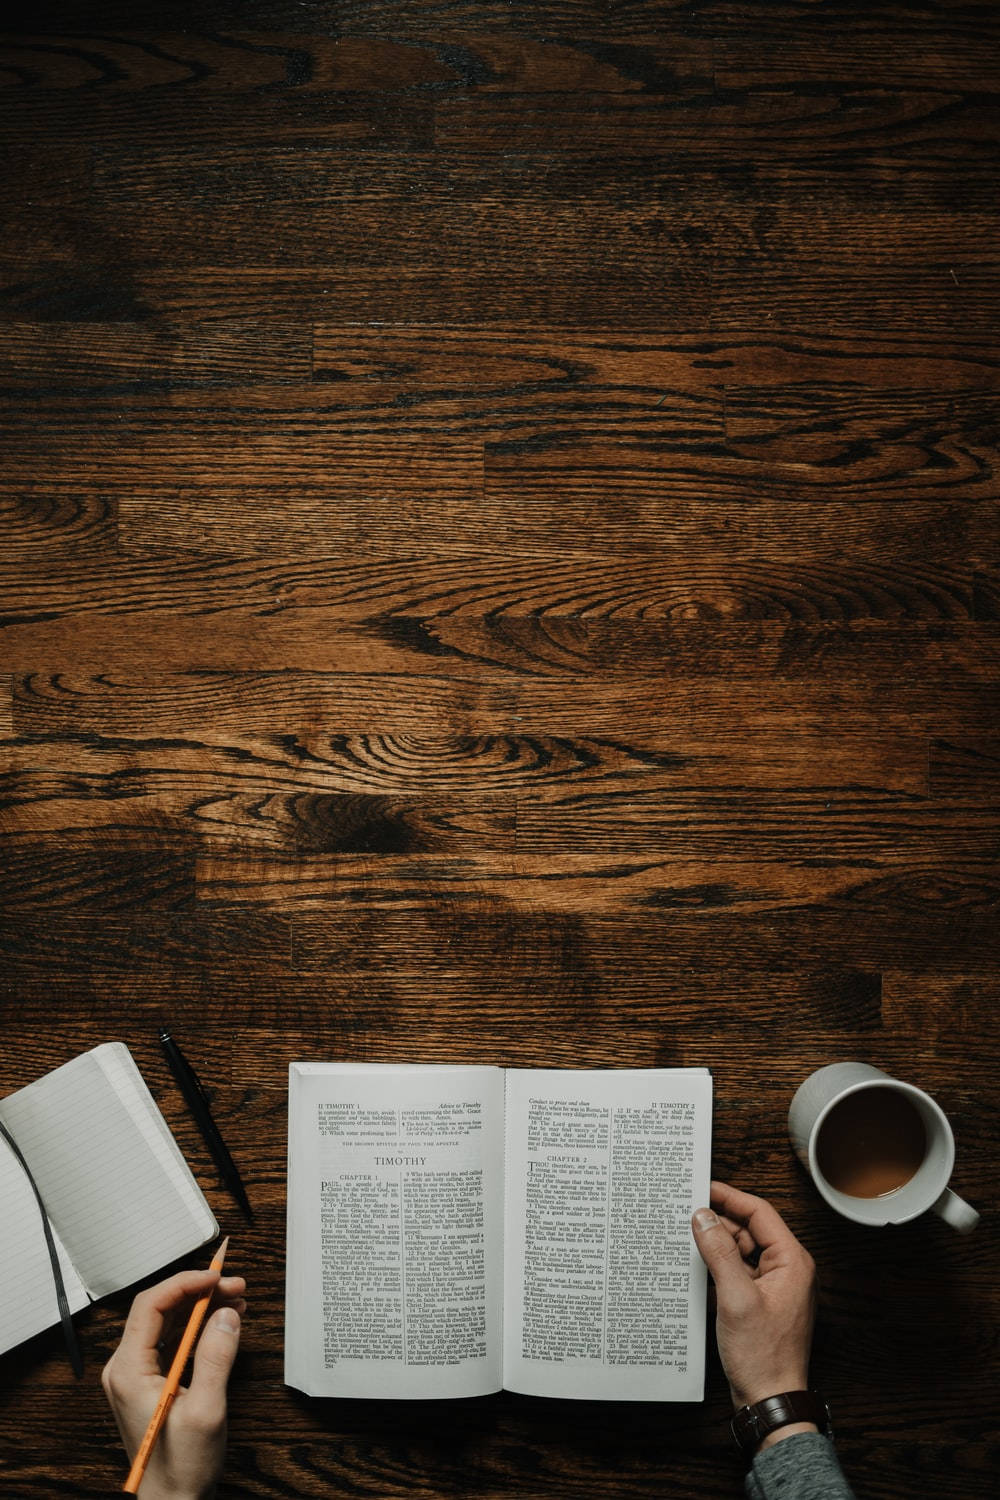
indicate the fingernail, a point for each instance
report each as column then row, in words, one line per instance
column 704, row 1218
column 227, row 1318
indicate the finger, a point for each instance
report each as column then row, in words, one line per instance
column 147, row 1316
column 742, row 1236
column 213, row 1360
column 228, row 1292
column 747, row 1246
column 764, row 1223
column 720, row 1252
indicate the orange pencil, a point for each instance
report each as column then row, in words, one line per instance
column 173, row 1380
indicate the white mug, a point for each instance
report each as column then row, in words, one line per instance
column 926, row 1189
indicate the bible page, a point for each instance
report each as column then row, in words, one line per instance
column 604, row 1289
column 394, row 1274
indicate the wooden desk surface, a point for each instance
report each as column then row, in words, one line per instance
column 499, row 562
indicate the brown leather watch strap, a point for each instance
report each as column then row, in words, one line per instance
column 751, row 1424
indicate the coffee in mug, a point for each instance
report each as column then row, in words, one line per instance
column 880, row 1151
column 871, row 1142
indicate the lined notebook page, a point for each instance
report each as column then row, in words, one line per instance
column 118, row 1191
column 29, row 1301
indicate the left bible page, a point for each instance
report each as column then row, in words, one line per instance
column 394, row 1274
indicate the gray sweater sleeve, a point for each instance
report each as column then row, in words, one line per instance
column 802, row 1467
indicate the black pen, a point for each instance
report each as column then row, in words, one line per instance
column 197, row 1102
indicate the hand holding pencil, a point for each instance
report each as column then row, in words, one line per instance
column 186, row 1456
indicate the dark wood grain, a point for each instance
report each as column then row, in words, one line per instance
column 500, row 563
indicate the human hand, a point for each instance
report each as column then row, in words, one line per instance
column 765, row 1308
column 189, row 1452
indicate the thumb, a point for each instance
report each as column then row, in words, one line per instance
column 214, row 1356
column 719, row 1251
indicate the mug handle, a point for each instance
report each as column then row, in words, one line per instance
column 956, row 1212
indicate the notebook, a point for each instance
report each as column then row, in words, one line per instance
column 120, row 1197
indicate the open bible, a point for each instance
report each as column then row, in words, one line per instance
column 120, row 1198
column 457, row 1230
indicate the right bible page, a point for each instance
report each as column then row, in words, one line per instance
column 604, row 1290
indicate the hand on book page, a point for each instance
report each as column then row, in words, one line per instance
column 189, row 1456
column 765, row 1287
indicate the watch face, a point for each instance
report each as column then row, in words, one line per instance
column 743, row 1427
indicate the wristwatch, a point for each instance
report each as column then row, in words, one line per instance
column 752, row 1424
